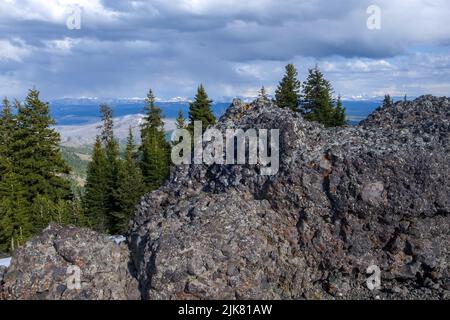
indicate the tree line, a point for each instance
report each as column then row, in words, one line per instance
column 35, row 188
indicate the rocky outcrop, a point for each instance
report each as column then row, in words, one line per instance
column 70, row 263
column 3, row 270
column 344, row 199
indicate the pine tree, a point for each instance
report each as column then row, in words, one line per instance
column 15, row 223
column 155, row 149
column 180, row 121
column 7, row 126
column 114, row 163
column 200, row 110
column 153, row 116
column 96, row 196
column 35, row 152
column 37, row 160
column 129, row 190
column 340, row 118
column 387, row 101
column 317, row 103
column 107, row 126
column 287, row 94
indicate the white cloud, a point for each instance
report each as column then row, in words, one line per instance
column 63, row 46
column 55, row 11
column 232, row 46
column 14, row 50
column 369, row 65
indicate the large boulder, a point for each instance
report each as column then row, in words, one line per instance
column 70, row 263
column 345, row 199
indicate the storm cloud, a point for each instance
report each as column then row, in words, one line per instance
column 233, row 47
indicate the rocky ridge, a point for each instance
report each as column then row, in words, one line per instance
column 344, row 199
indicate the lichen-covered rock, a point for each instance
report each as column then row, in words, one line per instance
column 375, row 195
column 70, row 263
column 3, row 270
column 344, row 199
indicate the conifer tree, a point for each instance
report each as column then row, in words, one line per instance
column 15, row 223
column 96, row 196
column 7, row 126
column 287, row 94
column 153, row 116
column 388, row 102
column 317, row 103
column 114, row 163
column 129, row 190
column 200, row 110
column 155, row 149
column 38, row 166
column 339, row 118
column 36, row 154
column 107, row 126
column 180, row 121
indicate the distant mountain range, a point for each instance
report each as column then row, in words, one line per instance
column 78, row 119
column 85, row 134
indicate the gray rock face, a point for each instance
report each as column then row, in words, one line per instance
column 50, row 265
column 344, row 199
column 375, row 195
column 2, row 274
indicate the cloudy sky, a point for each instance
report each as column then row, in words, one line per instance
column 232, row 46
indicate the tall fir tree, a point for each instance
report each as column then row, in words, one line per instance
column 180, row 121
column 130, row 188
column 317, row 101
column 7, row 127
column 201, row 110
column 155, row 149
column 339, row 117
column 37, row 159
column 153, row 116
column 287, row 94
column 388, row 102
column 15, row 222
column 112, row 152
column 36, row 153
column 107, row 126
column 96, row 195
column 34, row 189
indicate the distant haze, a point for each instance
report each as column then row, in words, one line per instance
column 80, row 135
column 78, row 121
